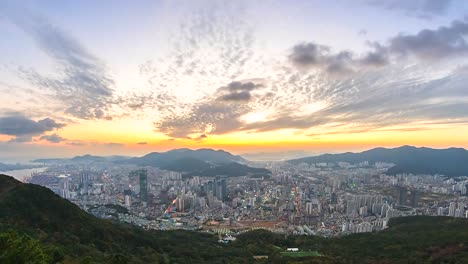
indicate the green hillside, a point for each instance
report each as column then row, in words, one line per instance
column 37, row 226
column 74, row 236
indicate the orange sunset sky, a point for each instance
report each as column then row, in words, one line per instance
column 243, row 76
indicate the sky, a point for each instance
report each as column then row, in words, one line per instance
column 131, row 77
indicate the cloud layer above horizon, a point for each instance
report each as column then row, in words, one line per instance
column 200, row 70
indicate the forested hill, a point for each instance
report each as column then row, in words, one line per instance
column 37, row 226
column 62, row 231
column 161, row 159
column 449, row 162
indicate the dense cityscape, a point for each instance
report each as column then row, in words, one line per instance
column 234, row 132
column 325, row 199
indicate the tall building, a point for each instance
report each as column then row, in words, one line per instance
column 352, row 207
column 334, row 198
column 128, row 198
column 210, row 187
column 452, row 208
column 85, row 180
column 220, row 188
column 384, row 211
column 440, row 211
column 376, row 209
column 363, row 211
column 180, row 203
column 309, row 208
column 143, row 173
column 414, row 198
column 402, row 195
column 252, row 202
column 458, row 213
column 64, row 187
column 463, row 190
column 202, row 202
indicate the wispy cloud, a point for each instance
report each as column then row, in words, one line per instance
column 379, row 99
column 53, row 138
column 219, row 113
column 420, row 8
column 214, row 78
column 82, row 84
column 212, row 45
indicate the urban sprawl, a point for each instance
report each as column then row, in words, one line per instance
column 324, row 199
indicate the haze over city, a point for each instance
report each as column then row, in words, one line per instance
column 120, row 77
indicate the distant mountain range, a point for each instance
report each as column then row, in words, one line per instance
column 206, row 162
column 82, row 159
column 276, row 155
column 38, row 226
column 161, row 159
column 407, row 159
column 202, row 162
column 156, row 159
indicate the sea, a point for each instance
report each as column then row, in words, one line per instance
column 23, row 175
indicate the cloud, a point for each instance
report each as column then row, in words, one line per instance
column 237, row 91
column 390, row 84
column 82, row 86
column 427, row 45
column 142, row 143
column 377, row 57
column 217, row 114
column 309, row 54
column 76, row 143
column 199, row 138
column 212, row 117
column 21, row 139
column 241, row 96
column 409, row 96
column 113, row 144
column 362, row 32
column 23, row 128
column 435, row 44
column 420, row 8
column 54, row 138
column 237, row 86
column 312, row 55
column 213, row 43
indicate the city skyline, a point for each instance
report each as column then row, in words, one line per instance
column 236, row 75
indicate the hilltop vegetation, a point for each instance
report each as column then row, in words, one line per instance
column 196, row 167
column 57, row 223
column 37, row 226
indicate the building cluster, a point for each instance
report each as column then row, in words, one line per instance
column 326, row 199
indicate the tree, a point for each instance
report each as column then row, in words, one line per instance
column 18, row 249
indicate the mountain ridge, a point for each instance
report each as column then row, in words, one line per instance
column 159, row 158
column 407, row 159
